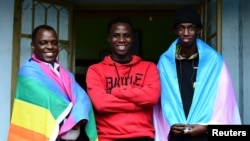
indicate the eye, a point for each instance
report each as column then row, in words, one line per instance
column 115, row 35
column 192, row 28
column 55, row 43
column 42, row 43
column 180, row 28
column 127, row 36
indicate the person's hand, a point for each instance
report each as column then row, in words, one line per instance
column 177, row 129
column 196, row 130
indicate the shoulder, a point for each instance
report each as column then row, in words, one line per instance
column 97, row 67
column 146, row 63
column 30, row 67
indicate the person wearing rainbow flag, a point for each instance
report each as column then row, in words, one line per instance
column 196, row 88
column 49, row 104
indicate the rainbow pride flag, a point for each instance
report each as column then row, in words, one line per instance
column 214, row 100
column 43, row 100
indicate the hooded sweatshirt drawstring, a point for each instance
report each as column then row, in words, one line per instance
column 118, row 76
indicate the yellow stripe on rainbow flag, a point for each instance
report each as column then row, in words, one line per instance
column 23, row 115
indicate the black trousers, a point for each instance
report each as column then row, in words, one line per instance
column 203, row 137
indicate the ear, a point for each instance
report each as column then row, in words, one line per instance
column 32, row 47
column 175, row 31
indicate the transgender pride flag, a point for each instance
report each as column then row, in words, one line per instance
column 214, row 101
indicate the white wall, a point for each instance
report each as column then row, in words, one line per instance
column 230, row 41
column 6, row 33
column 236, row 51
column 244, row 57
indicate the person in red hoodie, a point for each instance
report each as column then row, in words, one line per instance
column 123, row 88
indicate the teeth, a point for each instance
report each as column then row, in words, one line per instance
column 121, row 47
column 49, row 53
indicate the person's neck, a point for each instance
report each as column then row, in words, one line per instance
column 121, row 60
column 188, row 51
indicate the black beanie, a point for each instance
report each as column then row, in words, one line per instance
column 187, row 14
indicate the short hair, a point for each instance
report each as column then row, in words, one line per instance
column 119, row 20
column 34, row 33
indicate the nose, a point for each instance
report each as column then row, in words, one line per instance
column 186, row 31
column 121, row 39
column 49, row 45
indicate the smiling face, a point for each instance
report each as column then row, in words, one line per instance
column 120, row 39
column 187, row 33
column 45, row 45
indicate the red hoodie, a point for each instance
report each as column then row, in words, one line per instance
column 125, row 112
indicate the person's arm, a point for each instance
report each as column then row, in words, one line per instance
column 145, row 95
column 101, row 99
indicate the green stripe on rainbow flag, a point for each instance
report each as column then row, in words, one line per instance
column 36, row 113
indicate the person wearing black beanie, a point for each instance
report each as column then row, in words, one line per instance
column 196, row 87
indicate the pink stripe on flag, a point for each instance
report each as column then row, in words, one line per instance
column 161, row 126
column 225, row 108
